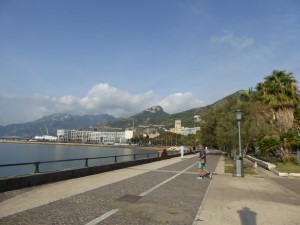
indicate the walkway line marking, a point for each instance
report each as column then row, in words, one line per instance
column 195, row 222
column 103, row 217
column 202, row 204
column 113, row 211
column 166, row 181
column 166, row 171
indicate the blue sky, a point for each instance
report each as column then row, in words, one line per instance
column 122, row 56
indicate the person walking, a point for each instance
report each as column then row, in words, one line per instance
column 202, row 164
column 181, row 148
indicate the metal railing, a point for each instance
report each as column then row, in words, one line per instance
column 86, row 160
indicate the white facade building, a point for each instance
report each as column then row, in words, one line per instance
column 186, row 130
column 92, row 137
column 45, row 138
column 128, row 134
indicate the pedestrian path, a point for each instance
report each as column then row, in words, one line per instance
column 167, row 192
column 251, row 200
column 47, row 193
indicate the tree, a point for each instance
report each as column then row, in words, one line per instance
column 219, row 127
column 267, row 110
column 208, row 128
column 297, row 118
column 268, row 145
column 280, row 92
column 257, row 123
column 291, row 140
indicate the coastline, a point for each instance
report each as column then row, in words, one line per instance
column 153, row 148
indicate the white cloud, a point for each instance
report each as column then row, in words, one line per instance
column 67, row 100
column 101, row 98
column 232, row 40
column 179, row 102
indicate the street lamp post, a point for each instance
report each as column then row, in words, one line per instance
column 238, row 163
column 239, row 117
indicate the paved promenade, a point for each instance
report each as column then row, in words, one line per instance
column 263, row 199
column 164, row 192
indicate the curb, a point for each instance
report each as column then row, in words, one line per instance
column 271, row 167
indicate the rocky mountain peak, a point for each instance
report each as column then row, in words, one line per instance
column 58, row 117
column 155, row 109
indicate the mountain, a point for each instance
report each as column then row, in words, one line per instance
column 50, row 124
column 152, row 117
column 187, row 117
column 156, row 116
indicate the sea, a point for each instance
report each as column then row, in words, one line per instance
column 15, row 153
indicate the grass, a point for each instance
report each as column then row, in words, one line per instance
column 228, row 165
column 288, row 167
column 281, row 167
column 228, row 169
column 228, row 160
column 247, row 168
column 250, row 171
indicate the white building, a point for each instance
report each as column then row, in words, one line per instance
column 186, row 130
column 45, row 138
column 128, row 134
column 93, row 137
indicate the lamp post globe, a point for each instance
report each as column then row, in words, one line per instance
column 238, row 114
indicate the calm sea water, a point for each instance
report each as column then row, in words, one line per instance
column 22, row 153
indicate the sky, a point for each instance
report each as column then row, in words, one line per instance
column 121, row 57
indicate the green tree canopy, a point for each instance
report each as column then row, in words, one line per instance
column 280, row 92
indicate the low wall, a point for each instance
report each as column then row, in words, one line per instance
column 271, row 167
column 261, row 163
column 18, row 182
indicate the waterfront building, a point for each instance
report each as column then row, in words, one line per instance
column 94, row 137
column 45, row 138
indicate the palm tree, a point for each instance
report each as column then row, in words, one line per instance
column 280, row 92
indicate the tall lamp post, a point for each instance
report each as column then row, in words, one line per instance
column 238, row 163
column 239, row 117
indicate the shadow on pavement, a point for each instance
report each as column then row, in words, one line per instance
column 247, row 216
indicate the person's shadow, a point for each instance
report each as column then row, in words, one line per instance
column 247, row 216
